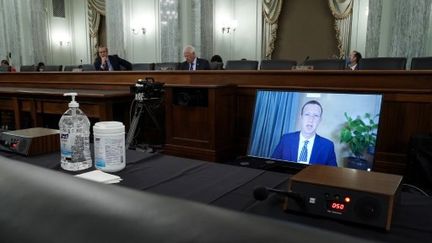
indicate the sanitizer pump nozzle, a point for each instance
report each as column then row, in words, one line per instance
column 73, row 103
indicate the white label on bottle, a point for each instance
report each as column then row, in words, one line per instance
column 109, row 151
column 66, row 141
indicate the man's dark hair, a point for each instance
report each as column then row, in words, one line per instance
column 312, row 102
column 5, row 62
column 357, row 55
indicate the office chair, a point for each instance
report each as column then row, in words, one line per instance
column 216, row 65
column 326, row 64
column 143, row 66
column 421, row 63
column 241, row 65
column 70, row 68
column 53, row 68
column 167, row 66
column 277, row 64
column 28, row 68
column 55, row 207
column 88, row 67
column 383, row 63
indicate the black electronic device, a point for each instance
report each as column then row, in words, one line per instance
column 278, row 120
column 345, row 194
column 31, row 141
column 148, row 99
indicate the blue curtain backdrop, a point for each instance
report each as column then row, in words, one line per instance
column 275, row 114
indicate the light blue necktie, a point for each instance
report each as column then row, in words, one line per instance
column 304, row 152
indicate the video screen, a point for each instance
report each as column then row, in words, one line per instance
column 305, row 128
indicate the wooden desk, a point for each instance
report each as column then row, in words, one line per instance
column 98, row 104
column 406, row 108
column 199, row 121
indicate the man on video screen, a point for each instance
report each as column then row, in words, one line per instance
column 305, row 146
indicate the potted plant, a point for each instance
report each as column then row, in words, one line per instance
column 360, row 136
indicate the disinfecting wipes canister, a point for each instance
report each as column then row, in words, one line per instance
column 109, row 146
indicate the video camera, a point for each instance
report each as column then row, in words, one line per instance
column 147, row 89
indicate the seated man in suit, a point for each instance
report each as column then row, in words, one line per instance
column 192, row 61
column 305, row 146
column 354, row 59
column 105, row 62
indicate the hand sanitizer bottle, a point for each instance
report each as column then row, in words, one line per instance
column 74, row 138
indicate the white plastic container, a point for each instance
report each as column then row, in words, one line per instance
column 109, row 146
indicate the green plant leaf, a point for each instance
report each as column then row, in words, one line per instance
column 359, row 134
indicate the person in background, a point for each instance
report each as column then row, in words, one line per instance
column 216, row 63
column 105, row 62
column 306, row 146
column 216, row 58
column 5, row 63
column 40, row 67
column 354, row 59
column 192, row 62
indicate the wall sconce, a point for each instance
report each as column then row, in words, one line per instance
column 63, row 42
column 61, row 38
column 136, row 31
column 229, row 26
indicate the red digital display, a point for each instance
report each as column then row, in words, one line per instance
column 337, row 206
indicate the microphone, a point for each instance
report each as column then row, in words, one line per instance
column 261, row 194
column 305, row 60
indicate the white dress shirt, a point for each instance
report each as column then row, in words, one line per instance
column 193, row 64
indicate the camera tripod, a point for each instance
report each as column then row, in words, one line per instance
column 143, row 106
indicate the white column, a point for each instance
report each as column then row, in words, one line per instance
column 386, row 28
column 359, row 25
column 186, row 22
column 245, row 41
column 80, row 33
column 115, row 27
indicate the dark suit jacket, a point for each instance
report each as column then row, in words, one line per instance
column 322, row 150
column 201, row 64
column 116, row 63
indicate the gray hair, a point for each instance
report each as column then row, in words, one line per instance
column 189, row 48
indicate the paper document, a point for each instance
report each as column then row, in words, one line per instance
column 100, row 176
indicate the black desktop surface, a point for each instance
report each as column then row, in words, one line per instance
column 232, row 187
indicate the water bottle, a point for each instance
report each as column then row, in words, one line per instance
column 74, row 138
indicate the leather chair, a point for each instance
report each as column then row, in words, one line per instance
column 421, row 63
column 216, row 65
column 326, row 64
column 88, row 67
column 241, row 65
column 167, row 66
column 28, row 68
column 143, row 66
column 382, row 63
column 70, row 68
column 41, row 205
column 53, row 68
column 277, row 64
